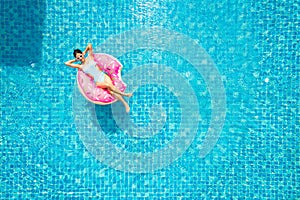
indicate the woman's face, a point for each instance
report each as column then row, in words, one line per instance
column 79, row 57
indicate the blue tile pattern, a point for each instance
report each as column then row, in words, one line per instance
column 255, row 46
column 22, row 31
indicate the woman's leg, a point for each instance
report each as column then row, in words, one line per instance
column 113, row 88
column 119, row 97
column 115, row 94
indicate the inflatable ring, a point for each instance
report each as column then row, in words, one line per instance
column 112, row 67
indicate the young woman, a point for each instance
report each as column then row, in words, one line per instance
column 90, row 67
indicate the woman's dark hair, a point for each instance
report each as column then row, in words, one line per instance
column 76, row 51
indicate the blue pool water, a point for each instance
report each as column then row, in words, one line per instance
column 215, row 111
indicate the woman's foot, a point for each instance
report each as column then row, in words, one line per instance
column 128, row 94
column 127, row 108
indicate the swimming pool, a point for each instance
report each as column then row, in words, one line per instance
column 215, row 111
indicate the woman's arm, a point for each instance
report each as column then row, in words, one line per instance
column 70, row 64
column 89, row 49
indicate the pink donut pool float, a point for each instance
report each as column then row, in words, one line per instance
column 112, row 67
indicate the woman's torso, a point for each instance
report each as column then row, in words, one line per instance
column 90, row 67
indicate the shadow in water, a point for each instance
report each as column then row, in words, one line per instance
column 22, row 31
column 105, row 118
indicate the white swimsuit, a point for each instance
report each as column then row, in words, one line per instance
column 90, row 67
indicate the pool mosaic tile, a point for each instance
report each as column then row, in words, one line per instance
column 254, row 46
